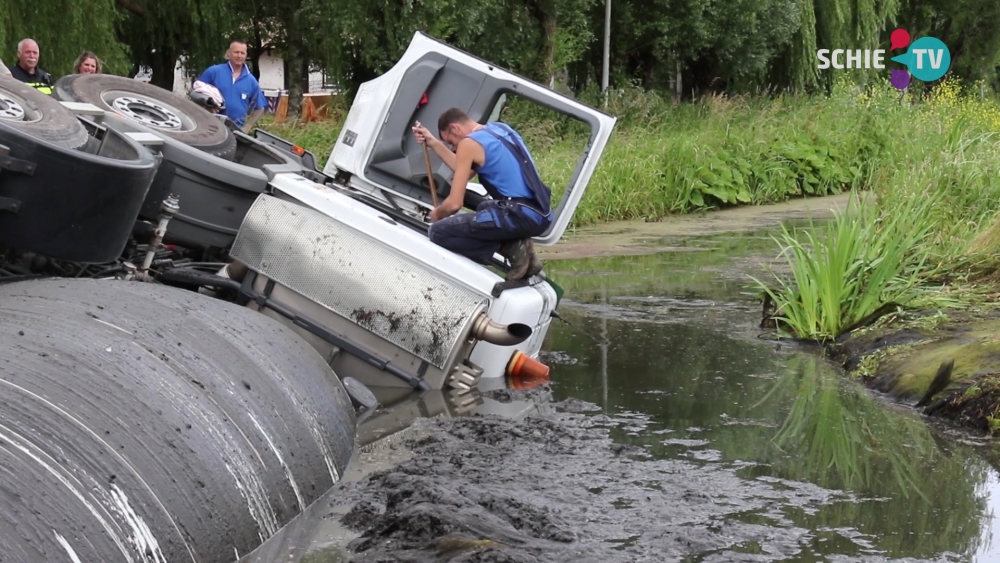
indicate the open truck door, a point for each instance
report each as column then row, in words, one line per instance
column 379, row 154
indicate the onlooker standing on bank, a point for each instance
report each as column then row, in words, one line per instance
column 26, row 70
column 240, row 89
column 87, row 63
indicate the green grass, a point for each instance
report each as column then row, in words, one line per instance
column 666, row 159
column 932, row 162
column 935, row 217
column 847, row 269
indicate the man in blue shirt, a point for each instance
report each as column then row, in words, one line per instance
column 240, row 89
column 520, row 207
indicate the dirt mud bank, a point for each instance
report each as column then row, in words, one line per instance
column 946, row 366
column 558, row 488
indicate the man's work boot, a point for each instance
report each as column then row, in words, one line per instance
column 536, row 266
column 519, row 252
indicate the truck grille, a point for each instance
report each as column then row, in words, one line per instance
column 357, row 277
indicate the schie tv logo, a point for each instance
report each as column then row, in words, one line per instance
column 927, row 58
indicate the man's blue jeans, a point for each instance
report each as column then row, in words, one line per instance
column 479, row 235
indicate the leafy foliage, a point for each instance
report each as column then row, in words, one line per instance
column 743, row 46
column 846, row 271
column 63, row 29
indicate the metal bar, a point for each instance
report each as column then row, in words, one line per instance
column 10, row 205
column 12, row 164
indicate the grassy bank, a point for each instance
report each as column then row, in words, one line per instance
column 665, row 159
column 905, row 288
column 937, row 194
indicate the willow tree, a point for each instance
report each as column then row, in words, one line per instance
column 160, row 32
column 967, row 27
column 832, row 24
column 357, row 40
column 63, row 29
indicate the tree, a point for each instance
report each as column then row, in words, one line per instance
column 718, row 44
column 63, row 29
column 831, row 24
column 967, row 27
column 359, row 40
column 160, row 32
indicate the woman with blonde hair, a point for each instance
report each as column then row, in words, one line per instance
column 87, row 63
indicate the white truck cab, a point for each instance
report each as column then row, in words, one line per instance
column 383, row 270
column 377, row 201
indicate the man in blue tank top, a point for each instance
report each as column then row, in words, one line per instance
column 520, row 207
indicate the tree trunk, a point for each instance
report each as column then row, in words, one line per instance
column 549, row 34
column 293, row 66
column 546, row 16
column 256, row 51
column 679, row 83
column 305, row 74
column 162, row 63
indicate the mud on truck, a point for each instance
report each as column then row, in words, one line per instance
column 191, row 317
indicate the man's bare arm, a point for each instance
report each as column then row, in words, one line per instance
column 443, row 153
column 252, row 120
column 468, row 153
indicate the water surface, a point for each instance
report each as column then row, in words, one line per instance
column 683, row 348
column 725, row 445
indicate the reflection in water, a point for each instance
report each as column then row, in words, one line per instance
column 720, row 395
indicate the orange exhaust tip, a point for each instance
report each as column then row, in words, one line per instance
column 525, row 373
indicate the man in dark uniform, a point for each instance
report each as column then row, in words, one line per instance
column 521, row 204
column 26, row 70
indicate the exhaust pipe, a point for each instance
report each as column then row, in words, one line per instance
column 486, row 329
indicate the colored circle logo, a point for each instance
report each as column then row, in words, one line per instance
column 927, row 59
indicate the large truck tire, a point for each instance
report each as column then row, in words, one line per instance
column 152, row 107
column 140, row 422
column 215, row 194
column 33, row 113
column 62, row 195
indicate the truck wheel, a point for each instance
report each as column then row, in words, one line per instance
column 38, row 115
column 140, row 422
column 152, row 107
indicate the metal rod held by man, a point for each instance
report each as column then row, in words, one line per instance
column 430, row 176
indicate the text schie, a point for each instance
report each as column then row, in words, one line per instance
column 864, row 58
column 855, row 58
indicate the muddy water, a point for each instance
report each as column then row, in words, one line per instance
column 682, row 348
column 673, row 430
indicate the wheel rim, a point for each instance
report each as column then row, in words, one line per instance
column 11, row 109
column 148, row 111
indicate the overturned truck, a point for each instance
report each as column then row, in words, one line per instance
column 189, row 315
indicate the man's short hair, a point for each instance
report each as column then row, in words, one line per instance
column 20, row 44
column 237, row 40
column 450, row 116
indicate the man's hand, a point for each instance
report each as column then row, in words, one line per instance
column 423, row 135
column 443, row 152
column 437, row 214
